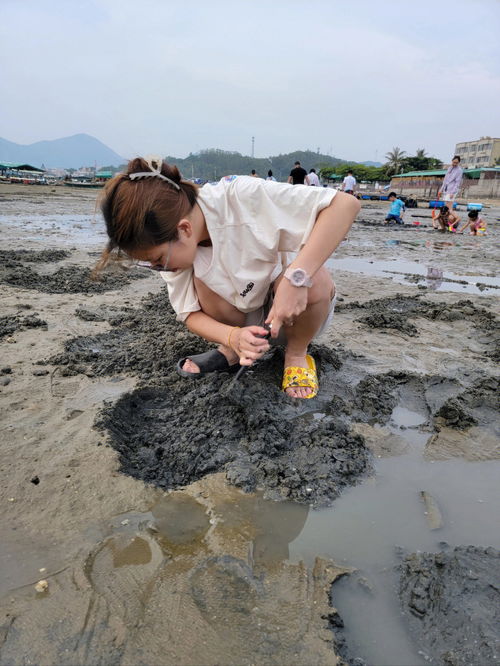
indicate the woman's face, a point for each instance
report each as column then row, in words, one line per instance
column 170, row 256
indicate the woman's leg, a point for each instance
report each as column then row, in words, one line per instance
column 216, row 307
column 307, row 324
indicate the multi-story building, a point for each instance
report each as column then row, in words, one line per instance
column 481, row 153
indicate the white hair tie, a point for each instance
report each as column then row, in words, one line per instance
column 154, row 162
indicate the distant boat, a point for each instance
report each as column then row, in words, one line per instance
column 84, row 184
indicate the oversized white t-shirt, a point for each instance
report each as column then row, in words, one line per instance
column 251, row 223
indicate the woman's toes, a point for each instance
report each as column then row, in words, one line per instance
column 189, row 366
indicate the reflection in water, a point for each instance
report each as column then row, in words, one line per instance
column 434, row 278
column 272, row 526
column 215, row 584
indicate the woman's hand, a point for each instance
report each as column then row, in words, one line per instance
column 248, row 342
column 289, row 303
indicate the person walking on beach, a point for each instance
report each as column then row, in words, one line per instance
column 298, row 175
column 452, row 181
column 222, row 250
column 349, row 183
column 313, row 178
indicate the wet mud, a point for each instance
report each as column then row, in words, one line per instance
column 171, row 431
column 12, row 257
column 396, row 311
column 450, row 602
column 66, row 279
column 10, row 324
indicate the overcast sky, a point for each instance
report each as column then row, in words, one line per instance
column 352, row 78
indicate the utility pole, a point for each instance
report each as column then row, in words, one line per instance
column 253, row 144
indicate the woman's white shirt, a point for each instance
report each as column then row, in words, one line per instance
column 253, row 225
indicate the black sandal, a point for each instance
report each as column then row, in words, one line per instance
column 210, row 361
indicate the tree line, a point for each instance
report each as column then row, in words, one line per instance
column 211, row 164
column 397, row 162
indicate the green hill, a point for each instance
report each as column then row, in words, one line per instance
column 212, row 164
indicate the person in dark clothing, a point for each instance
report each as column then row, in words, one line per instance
column 298, row 175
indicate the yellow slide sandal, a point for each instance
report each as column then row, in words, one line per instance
column 304, row 377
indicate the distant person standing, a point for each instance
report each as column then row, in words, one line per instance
column 452, row 181
column 254, row 174
column 298, row 175
column 349, row 183
column 313, row 178
column 270, row 175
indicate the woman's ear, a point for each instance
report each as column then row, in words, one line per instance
column 185, row 227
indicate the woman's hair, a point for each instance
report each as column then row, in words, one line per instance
column 269, row 173
column 144, row 211
column 474, row 214
column 444, row 210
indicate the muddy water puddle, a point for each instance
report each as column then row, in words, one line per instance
column 367, row 528
column 432, row 276
column 370, row 523
column 63, row 229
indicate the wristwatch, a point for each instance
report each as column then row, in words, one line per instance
column 298, row 277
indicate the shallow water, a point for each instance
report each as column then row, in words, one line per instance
column 63, row 229
column 435, row 277
column 369, row 522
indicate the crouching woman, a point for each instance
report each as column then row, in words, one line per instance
column 224, row 252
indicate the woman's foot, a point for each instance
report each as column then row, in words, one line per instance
column 299, row 361
column 231, row 356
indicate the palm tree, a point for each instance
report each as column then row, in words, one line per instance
column 394, row 160
column 421, row 153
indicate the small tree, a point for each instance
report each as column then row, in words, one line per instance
column 394, row 160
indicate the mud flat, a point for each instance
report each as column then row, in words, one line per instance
column 450, row 601
column 211, row 522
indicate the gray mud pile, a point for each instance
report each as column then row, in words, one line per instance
column 172, row 431
column 12, row 257
column 480, row 403
column 396, row 311
column 451, row 603
column 13, row 323
column 66, row 279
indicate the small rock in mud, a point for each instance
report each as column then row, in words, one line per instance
column 453, row 415
column 450, row 601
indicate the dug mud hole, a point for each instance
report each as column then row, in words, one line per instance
column 171, row 431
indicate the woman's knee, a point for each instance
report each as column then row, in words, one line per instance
column 323, row 288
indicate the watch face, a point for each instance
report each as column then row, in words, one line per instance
column 298, row 277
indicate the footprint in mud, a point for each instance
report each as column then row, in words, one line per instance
column 122, row 571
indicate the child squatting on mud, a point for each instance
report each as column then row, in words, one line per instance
column 222, row 250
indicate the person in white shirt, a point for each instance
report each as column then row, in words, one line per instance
column 222, row 250
column 313, row 178
column 349, row 183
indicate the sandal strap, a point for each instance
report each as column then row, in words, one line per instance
column 294, row 376
column 209, row 361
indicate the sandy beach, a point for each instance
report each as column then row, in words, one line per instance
column 206, row 522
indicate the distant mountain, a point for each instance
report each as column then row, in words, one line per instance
column 70, row 152
column 212, row 164
column 368, row 163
